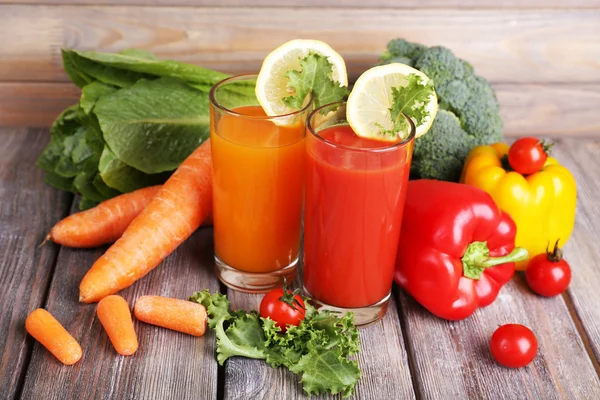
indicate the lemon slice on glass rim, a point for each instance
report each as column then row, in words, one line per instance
column 272, row 81
column 368, row 110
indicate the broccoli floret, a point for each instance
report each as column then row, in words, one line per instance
column 468, row 115
column 440, row 153
column 401, row 51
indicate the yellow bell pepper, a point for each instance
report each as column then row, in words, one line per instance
column 541, row 204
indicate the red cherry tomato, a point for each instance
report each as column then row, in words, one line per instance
column 513, row 345
column 528, row 155
column 283, row 306
column 548, row 274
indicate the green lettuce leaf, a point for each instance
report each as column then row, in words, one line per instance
column 87, row 68
column 321, row 349
column 91, row 93
column 120, row 176
column 135, row 64
column 65, row 126
column 314, row 77
column 154, row 125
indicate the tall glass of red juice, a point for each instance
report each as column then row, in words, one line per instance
column 355, row 192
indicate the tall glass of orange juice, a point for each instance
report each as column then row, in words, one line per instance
column 258, row 187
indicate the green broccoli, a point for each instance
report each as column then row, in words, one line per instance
column 468, row 115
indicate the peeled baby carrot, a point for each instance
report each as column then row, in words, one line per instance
column 177, row 210
column 104, row 223
column 115, row 316
column 178, row 315
column 53, row 336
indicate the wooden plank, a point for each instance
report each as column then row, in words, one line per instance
column 550, row 109
column 35, row 104
column 452, row 359
column 581, row 157
column 168, row 364
column 457, row 4
column 28, row 209
column 503, row 45
column 382, row 359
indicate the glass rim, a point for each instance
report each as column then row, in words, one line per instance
column 391, row 147
column 215, row 103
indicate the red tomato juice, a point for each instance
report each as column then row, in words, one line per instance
column 355, row 192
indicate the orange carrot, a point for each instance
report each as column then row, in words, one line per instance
column 115, row 316
column 104, row 223
column 50, row 333
column 178, row 315
column 176, row 211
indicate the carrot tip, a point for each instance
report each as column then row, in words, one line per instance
column 48, row 237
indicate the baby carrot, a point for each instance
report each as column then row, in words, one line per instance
column 104, row 223
column 50, row 333
column 177, row 210
column 114, row 315
column 178, row 315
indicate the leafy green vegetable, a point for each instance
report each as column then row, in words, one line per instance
column 320, row 350
column 138, row 118
column 132, row 65
column 314, row 77
column 468, row 116
column 120, row 176
column 410, row 100
column 91, row 93
column 154, row 125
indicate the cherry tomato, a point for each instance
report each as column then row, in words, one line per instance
column 283, row 306
column 513, row 345
column 528, row 155
column 548, row 274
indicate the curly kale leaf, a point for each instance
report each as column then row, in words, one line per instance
column 314, row 78
column 321, row 350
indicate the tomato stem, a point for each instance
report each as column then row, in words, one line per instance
column 556, row 254
column 289, row 297
column 546, row 146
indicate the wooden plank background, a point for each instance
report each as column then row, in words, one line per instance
column 542, row 57
column 25, row 270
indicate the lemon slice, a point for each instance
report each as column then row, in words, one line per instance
column 369, row 103
column 271, row 84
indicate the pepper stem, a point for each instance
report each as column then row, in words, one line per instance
column 477, row 258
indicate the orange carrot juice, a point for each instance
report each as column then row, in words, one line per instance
column 258, row 178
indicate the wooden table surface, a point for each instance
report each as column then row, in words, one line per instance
column 410, row 354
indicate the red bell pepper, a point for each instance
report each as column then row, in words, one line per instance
column 457, row 248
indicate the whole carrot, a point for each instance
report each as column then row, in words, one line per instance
column 115, row 316
column 53, row 336
column 178, row 315
column 104, row 223
column 176, row 211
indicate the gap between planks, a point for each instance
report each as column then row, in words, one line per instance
column 582, row 334
column 407, row 343
column 21, row 381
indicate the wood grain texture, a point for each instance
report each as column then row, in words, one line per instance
column 382, row 359
column 34, row 104
column 504, row 45
column 581, row 157
column 452, row 359
column 539, row 109
column 457, row 4
column 28, row 209
column 567, row 110
column 167, row 365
